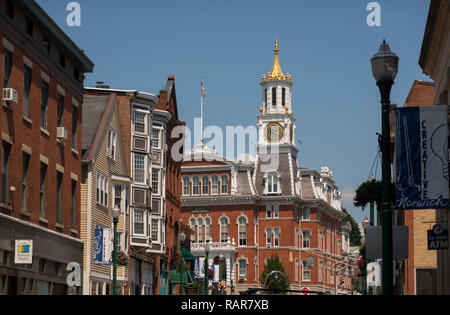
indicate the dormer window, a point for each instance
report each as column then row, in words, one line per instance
column 272, row 183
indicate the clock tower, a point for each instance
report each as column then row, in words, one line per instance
column 276, row 150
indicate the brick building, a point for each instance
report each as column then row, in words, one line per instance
column 40, row 123
column 146, row 122
column 435, row 62
column 250, row 211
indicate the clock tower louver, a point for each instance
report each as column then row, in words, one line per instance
column 276, row 151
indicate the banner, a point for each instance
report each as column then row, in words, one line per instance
column 421, row 157
column 103, row 246
column 23, row 252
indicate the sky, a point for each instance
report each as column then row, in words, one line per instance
column 325, row 45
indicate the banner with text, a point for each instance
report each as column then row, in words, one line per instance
column 421, row 157
column 103, row 246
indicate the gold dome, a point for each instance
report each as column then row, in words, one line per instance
column 276, row 73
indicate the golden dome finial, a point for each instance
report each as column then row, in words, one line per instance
column 276, row 73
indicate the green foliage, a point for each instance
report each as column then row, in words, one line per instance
column 355, row 234
column 367, row 193
column 275, row 281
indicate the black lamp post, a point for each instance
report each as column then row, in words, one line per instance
column 207, row 248
column 384, row 69
column 115, row 214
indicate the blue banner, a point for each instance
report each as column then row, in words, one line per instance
column 102, row 246
column 421, row 158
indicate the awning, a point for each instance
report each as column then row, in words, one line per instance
column 175, row 277
column 187, row 255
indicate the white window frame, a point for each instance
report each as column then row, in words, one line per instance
column 306, row 271
column 194, row 185
column 207, row 228
column 144, row 222
column 227, row 225
column 308, row 239
column 156, row 144
column 272, row 183
column 222, row 184
column 144, row 182
column 158, row 230
column 112, row 143
column 157, row 181
column 203, row 186
column 306, row 214
column 242, row 270
column 240, row 232
column 146, row 114
column 276, row 236
column 214, row 185
column 192, row 226
column 200, row 230
column 186, row 185
column 269, row 211
column 102, row 189
column 269, row 237
column 276, row 211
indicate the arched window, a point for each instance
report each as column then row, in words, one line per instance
column 274, row 97
column 276, row 237
column 224, row 230
column 195, row 185
column 186, row 186
column 200, row 230
column 207, row 229
column 272, row 180
column 224, row 184
column 242, row 222
column 205, row 185
column 214, row 184
column 192, row 226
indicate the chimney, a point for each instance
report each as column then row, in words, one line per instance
column 100, row 85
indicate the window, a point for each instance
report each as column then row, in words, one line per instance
column 10, row 9
column 47, row 46
column 155, row 137
column 320, row 271
column 140, row 122
column 296, row 269
column 242, row 231
column 155, row 181
column 268, row 237
column 214, row 185
column 200, row 230
column 155, row 230
column 283, row 96
column 306, row 212
column 139, row 168
column 26, row 91
column 242, row 268
column 224, row 230
column 276, row 211
column 59, row 119
column 276, row 237
column 306, row 239
column 29, row 27
column 25, row 168
column 186, row 184
column 268, row 211
column 44, row 102
column 74, row 126
column 42, row 202
column 274, row 97
column 139, row 222
column 6, row 149
column 59, row 180
column 205, row 185
column 306, row 275
column 102, row 190
column 7, row 67
column 118, row 195
column 207, row 229
column 62, row 60
column 320, row 240
column 195, row 185
column 111, row 144
column 73, row 204
column 192, row 224
column 224, row 184
column 272, row 183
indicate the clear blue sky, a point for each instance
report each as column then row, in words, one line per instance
column 325, row 45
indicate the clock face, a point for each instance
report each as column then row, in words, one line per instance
column 274, row 132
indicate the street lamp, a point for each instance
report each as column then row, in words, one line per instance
column 115, row 215
column 182, row 238
column 384, row 69
column 207, row 249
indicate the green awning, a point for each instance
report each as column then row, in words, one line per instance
column 188, row 277
column 187, row 255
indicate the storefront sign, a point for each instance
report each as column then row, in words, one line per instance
column 437, row 238
column 23, row 252
column 200, row 211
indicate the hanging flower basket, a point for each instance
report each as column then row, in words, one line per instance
column 122, row 258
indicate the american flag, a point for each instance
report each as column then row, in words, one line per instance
column 203, row 90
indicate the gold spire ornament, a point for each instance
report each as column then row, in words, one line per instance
column 276, row 73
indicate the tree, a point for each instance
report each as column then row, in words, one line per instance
column 355, row 234
column 275, row 281
column 367, row 193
